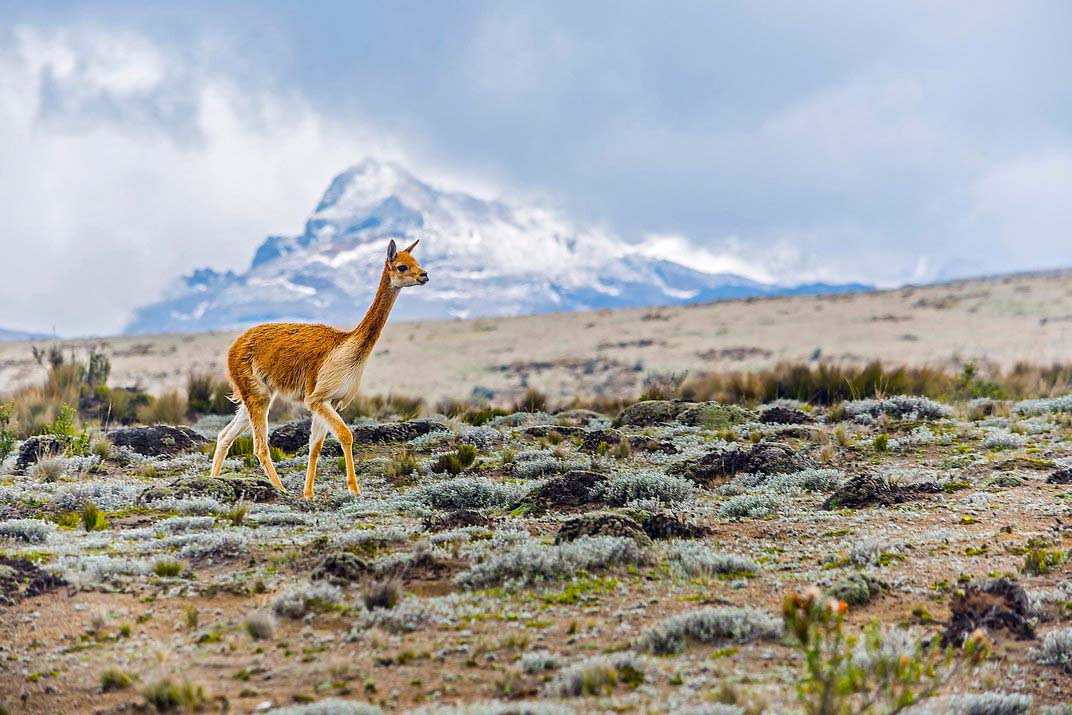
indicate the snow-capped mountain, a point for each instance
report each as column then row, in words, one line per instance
column 484, row 257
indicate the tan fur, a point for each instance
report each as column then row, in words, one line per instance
column 313, row 364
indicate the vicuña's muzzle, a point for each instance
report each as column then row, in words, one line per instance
column 423, row 278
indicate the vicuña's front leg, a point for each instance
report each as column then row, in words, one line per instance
column 346, row 439
column 318, row 429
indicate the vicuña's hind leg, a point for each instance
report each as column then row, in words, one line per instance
column 317, row 431
column 258, row 417
column 346, row 439
column 227, row 436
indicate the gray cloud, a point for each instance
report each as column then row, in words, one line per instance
column 844, row 141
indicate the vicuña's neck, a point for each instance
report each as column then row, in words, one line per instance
column 368, row 330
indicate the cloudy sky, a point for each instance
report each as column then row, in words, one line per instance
column 883, row 142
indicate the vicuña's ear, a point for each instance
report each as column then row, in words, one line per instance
column 392, row 252
column 410, row 248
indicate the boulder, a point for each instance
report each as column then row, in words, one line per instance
column 340, row 568
column 226, row 488
column 157, row 440
column 715, row 415
column 784, row 416
column 1061, row 476
column 664, row 525
column 36, row 448
column 867, row 490
column 719, row 465
column 571, row 489
column 651, row 412
column 591, row 440
column 458, row 519
column 602, row 524
column 997, row 605
column 292, row 436
column 537, row 431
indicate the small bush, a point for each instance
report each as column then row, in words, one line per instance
column 1040, row 560
column 749, row 505
column 168, row 695
column 30, row 531
column 457, row 461
column 300, row 599
column 207, row 395
column 532, row 562
column 992, row 703
column 634, row 486
column 881, row 442
column 260, row 625
column 598, row 675
column 719, row 625
column 115, row 679
column 402, row 465
column 167, row 569
column 465, row 493
column 8, row 433
column 696, row 559
column 382, row 594
column 92, row 518
column 479, row 415
column 1056, row 649
column 538, row 661
column 329, row 706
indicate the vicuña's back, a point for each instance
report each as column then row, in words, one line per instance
column 314, row 364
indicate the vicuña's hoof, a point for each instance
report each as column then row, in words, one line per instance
column 308, row 495
column 355, row 490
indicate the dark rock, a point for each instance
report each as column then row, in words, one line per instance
column 537, row 431
column 340, row 568
column 719, row 465
column 157, row 440
column 36, row 448
column 602, row 524
column 396, row 431
column 571, row 489
column 1061, row 476
column 998, row 604
column 651, row 412
column 292, row 436
column 715, row 415
column 866, row 490
column 784, row 416
column 664, row 525
column 593, row 438
column 458, row 519
column 20, row 578
column 228, row 488
column 857, row 589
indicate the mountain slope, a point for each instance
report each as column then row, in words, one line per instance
column 484, row 257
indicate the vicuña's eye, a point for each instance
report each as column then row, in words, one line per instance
column 402, row 269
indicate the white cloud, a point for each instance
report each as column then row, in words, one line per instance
column 124, row 164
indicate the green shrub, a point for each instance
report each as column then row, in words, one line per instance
column 402, row 465
column 881, row 442
column 63, row 427
column 169, row 696
column 207, row 395
column 479, row 415
column 457, row 461
column 93, row 519
column 115, row 679
column 1039, row 560
column 167, row 569
column 8, row 435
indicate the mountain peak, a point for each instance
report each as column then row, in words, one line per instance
column 485, row 258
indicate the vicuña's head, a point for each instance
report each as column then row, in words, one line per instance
column 403, row 268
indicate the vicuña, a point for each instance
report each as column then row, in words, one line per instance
column 314, row 364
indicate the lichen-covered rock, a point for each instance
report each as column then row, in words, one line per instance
column 36, row 448
column 340, row 568
column 715, row 416
column 537, row 431
column 227, row 488
column 602, row 524
column 157, row 440
column 591, row 440
column 1061, row 476
column 857, row 589
column 866, row 490
column 20, row 578
column 664, row 525
column 651, row 412
column 784, row 416
column 577, row 417
column 457, row 519
column 719, row 465
column 396, row 431
column 998, row 604
column 572, row 489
